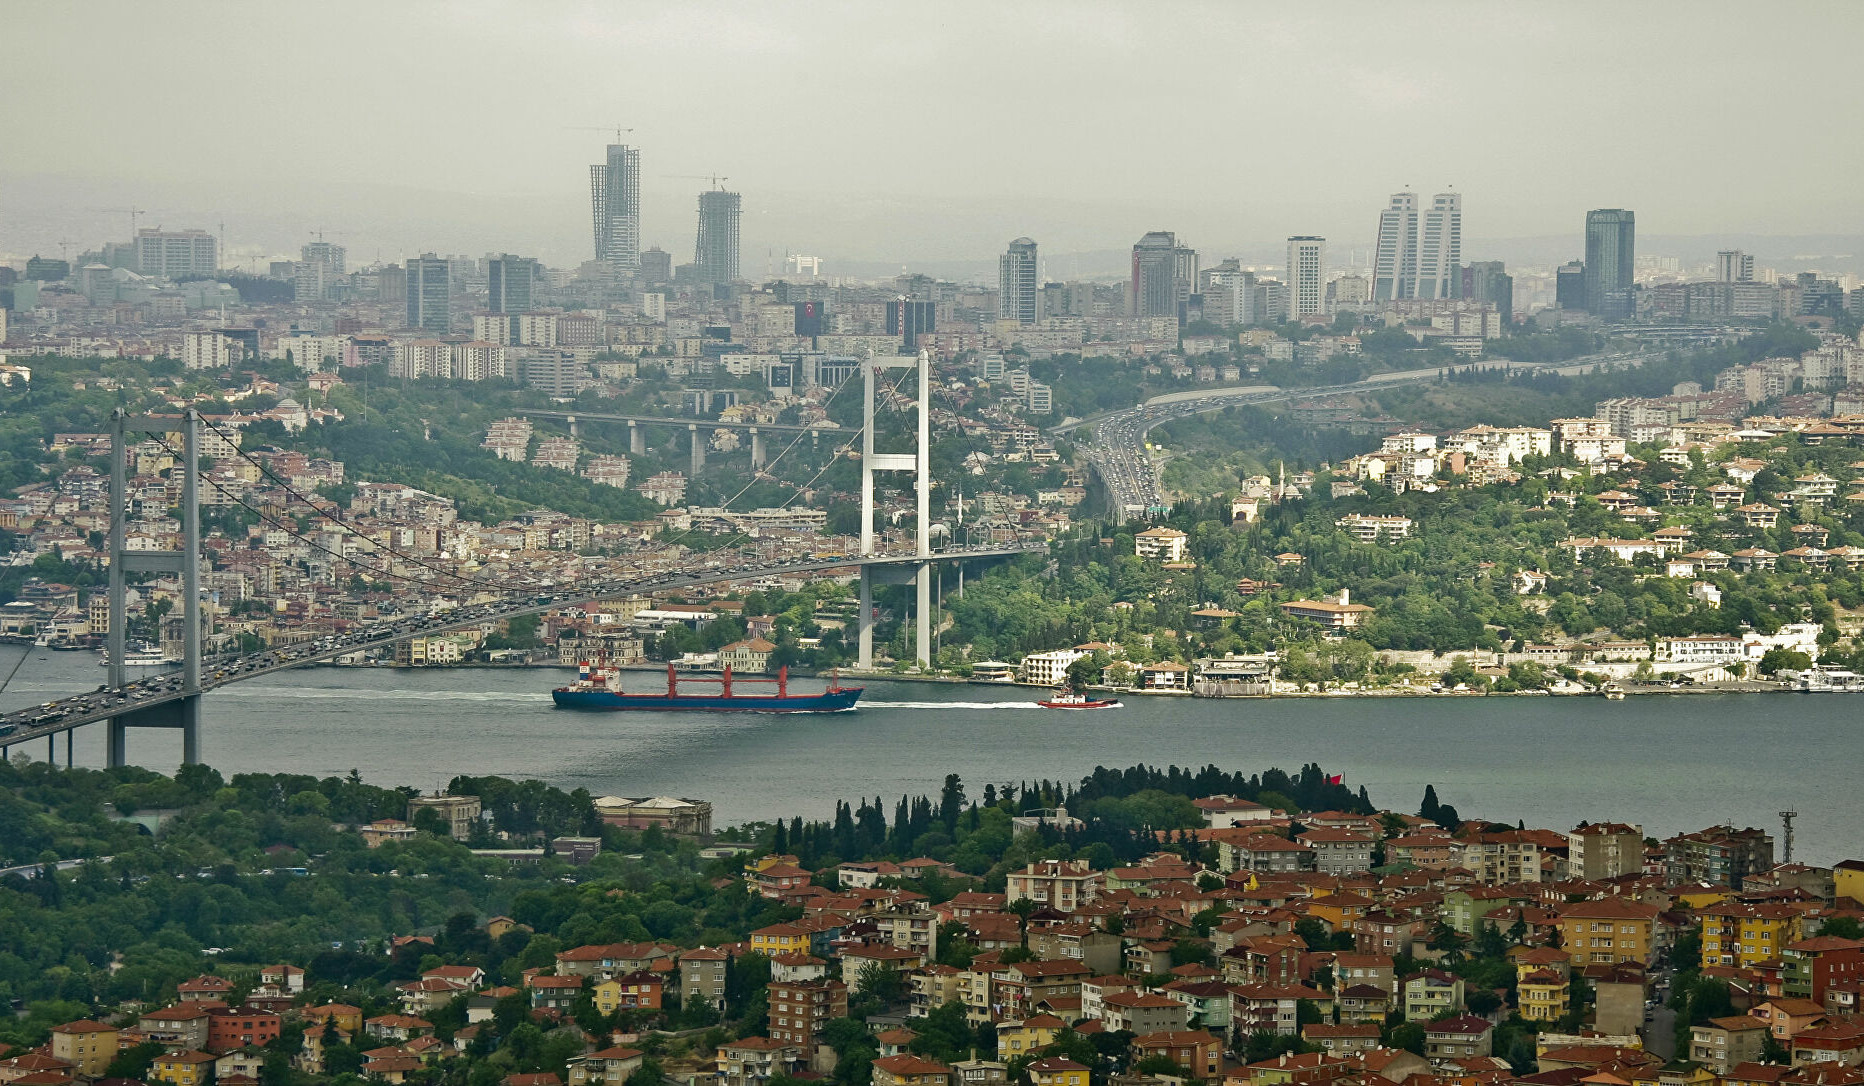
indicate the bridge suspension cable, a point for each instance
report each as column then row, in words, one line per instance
column 336, row 514
column 293, row 532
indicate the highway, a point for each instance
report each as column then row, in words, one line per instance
column 1117, row 449
column 40, row 721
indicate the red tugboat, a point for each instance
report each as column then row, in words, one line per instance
column 1070, row 699
column 598, row 686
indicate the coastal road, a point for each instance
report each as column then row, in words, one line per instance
column 1117, row 447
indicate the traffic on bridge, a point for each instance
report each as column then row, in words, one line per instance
column 105, row 703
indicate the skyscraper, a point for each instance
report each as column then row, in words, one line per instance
column 430, row 299
column 1307, row 277
column 615, row 196
column 1734, row 266
column 1419, row 255
column 1163, row 275
column 1489, row 281
column 509, row 283
column 1611, row 245
column 316, row 275
column 1018, row 283
column 716, row 251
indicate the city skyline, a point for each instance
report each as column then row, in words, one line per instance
column 826, row 195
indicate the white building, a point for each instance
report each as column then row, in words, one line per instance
column 209, row 351
column 1162, row 543
column 1019, row 283
column 1307, row 277
column 1049, row 668
column 313, row 353
column 1419, row 255
column 175, row 253
column 607, row 470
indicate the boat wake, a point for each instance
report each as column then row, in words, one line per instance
column 949, row 705
column 272, row 693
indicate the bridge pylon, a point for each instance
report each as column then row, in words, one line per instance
column 918, row 462
column 185, row 712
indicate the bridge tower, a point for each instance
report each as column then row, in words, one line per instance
column 919, row 461
column 637, row 441
column 698, row 456
column 759, row 455
column 184, row 712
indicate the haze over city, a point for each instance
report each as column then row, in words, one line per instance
column 881, row 136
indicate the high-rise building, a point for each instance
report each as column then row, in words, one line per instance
column 1734, row 266
column 318, row 271
column 1419, row 254
column 716, row 251
column 430, row 298
column 323, row 252
column 48, row 269
column 1569, row 286
column 656, row 266
column 1018, row 296
column 1307, row 277
column 1611, row 247
column 1489, row 281
column 1163, row 274
column 615, row 197
column 909, row 319
column 509, row 283
column 175, row 253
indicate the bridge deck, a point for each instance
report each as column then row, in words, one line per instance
column 675, row 421
column 104, row 704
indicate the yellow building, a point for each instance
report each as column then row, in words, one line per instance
column 1545, row 996
column 188, row 1068
column 1019, row 1038
column 1700, row 898
column 86, row 1045
column 1057, row 1071
column 780, row 939
column 1848, row 880
column 346, row 1018
column 1608, row 931
column 1741, row 935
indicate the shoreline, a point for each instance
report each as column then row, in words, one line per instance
column 1739, row 687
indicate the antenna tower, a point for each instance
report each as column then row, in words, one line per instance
column 1786, row 851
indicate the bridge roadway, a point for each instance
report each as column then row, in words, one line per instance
column 102, row 704
column 1118, row 450
column 683, row 423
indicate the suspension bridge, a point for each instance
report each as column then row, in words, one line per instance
column 173, row 700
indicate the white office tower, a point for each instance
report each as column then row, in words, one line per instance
column 1307, row 277
column 1734, row 266
column 1420, row 253
column 1018, row 282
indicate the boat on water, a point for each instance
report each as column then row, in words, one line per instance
column 138, row 654
column 1068, row 699
column 598, row 686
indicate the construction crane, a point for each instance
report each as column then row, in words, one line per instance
column 615, row 128
column 712, row 177
column 132, row 212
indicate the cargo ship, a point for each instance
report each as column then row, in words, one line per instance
column 598, row 686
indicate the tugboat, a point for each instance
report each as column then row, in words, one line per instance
column 1071, row 699
column 598, row 686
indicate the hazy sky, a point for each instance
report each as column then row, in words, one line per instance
column 926, row 132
